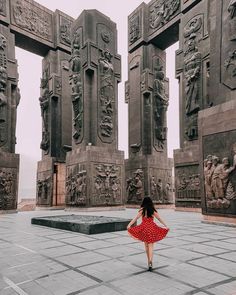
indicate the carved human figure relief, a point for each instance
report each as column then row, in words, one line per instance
column 160, row 103
column 32, row 18
column 107, row 95
column 134, row 187
column 161, row 11
column 3, row 95
column 44, row 105
column 107, row 184
column 76, row 87
column 76, row 187
column 219, row 190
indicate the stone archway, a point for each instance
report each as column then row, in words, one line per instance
column 35, row 28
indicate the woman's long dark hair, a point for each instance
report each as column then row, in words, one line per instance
column 147, row 207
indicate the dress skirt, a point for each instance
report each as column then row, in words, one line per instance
column 148, row 231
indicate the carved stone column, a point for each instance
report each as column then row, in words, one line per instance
column 192, row 70
column 94, row 167
column 9, row 100
column 56, row 128
column 148, row 169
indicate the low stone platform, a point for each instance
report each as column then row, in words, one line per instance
column 83, row 224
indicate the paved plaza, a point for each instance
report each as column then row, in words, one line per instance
column 195, row 258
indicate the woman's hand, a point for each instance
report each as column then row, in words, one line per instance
column 128, row 226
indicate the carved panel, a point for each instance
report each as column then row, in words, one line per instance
column 106, row 101
column 76, row 81
column 161, row 186
column 160, row 103
column 65, row 29
column 76, row 185
column 228, row 48
column 187, row 185
column 107, row 184
column 135, row 27
column 219, row 151
column 3, row 8
column 8, row 181
column 44, row 105
column 3, row 96
column 105, row 38
column 161, row 12
column 44, row 190
column 32, row 18
column 193, row 33
column 135, row 186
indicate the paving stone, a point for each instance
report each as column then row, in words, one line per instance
column 38, row 260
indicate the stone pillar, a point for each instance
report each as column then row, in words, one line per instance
column 9, row 100
column 55, row 104
column 94, row 167
column 217, row 125
column 56, row 128
column 148, row 170
column 192, row 70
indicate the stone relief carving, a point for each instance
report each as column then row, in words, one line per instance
column 44, row 105
column 107, row 185
column 65, row 28
column 76, row 188
column 134, row 28
column 77, row 87
column 106, row 36
column 219, row 190
column 161, row 11
column 232, row 8
column 192, row 75
column 3, row 7
column 160, row 190
column 134, row 187
column 106, row 94
column 230, row 63
column 32, row 18
column 160, row 103
column 187, row 186
column 7, row 189
column 44, row 189
column 3, row 106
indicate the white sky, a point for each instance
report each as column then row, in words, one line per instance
column 29, row 118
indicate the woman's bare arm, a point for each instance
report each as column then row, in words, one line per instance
column 159, row 218
column 134, row 219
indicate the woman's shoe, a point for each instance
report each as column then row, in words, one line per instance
column 150, row 266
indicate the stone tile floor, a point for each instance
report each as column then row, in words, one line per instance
column 195, row 258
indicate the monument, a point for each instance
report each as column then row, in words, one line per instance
column 94, row 167
column 35, row 28
column 148, row 169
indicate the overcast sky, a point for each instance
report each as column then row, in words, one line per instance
column 30, row 70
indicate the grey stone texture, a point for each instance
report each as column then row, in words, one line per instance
column 148, row 169
column 83, row 224
column 195, row 258
column 94, row 167
column 31, row 26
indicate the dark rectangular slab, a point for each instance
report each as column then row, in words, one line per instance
column 83, row 223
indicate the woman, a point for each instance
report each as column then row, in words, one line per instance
column 148, row 231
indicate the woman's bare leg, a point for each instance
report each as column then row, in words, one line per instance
column 146, row 249
column 150, row 252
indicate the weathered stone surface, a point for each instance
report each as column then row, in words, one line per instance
column 9, row 174
column 83, row 223
column 94, row 167
column 218, row 160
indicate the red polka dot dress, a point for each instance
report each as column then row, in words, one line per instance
column 148, row 231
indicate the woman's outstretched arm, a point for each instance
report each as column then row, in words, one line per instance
column 159, row 218
column 134, row 219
